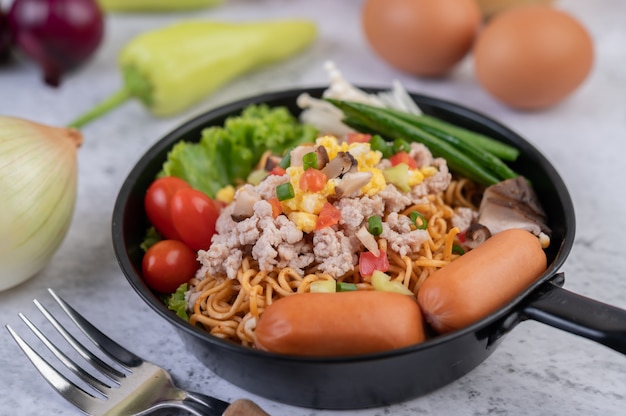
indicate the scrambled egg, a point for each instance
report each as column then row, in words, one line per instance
column 311, row 202
column 304, row 221
column 367, row 160
column 226, row 194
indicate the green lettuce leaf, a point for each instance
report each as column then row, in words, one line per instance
column 152, row 237
column 176, row 302
column 225, row 155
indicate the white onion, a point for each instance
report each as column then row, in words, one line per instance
column 368, row 240
column 38, row 181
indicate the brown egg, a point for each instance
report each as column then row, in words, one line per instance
column 491, row 7
column 421, row 37
column 532, row 57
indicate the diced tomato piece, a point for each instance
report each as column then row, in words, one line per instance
column 403, row 157
column 358, row 138
column 368, row 262
column 278, row 171
column 277, row 208
column 329, row 215
column 312, row 180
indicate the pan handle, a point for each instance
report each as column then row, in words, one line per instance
column 579, row 315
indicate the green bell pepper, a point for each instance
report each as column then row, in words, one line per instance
column 154, row 5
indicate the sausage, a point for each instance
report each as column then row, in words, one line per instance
column 482, row 280
column 339, row 324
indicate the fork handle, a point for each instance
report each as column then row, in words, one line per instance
column 240, row 407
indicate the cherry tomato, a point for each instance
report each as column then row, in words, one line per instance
column 194, row 215
column 168, row 264
column 157, row 204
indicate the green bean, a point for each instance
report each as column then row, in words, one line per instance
column 430, row 123
column 392, row 126
column 486, row 158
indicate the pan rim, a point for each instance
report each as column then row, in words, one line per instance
column 167, row 141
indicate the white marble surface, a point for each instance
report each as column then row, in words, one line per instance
column 537, row 370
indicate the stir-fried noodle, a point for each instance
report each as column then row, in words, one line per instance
column 230, row 308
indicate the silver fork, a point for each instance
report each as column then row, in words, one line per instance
column 130, row 387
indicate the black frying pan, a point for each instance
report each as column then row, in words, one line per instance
column 393, row 376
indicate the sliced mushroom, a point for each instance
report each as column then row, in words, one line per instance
column 513, row 204
column 322, row 156
column 476, row 234
column 342, row 163
column 352, row 182
column 271, row 162
column 244, row 203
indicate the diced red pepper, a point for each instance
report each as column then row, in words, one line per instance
column 277, row 207
column 329, row 215
column 312, row 180
column 368, row 262
column 403, row 157
column 461, row 236
column 358, row 138
column 278, row 171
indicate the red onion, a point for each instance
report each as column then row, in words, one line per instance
column 5, row 36
column 59, row 34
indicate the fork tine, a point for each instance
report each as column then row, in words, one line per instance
column 92, row 359
column 71, row 392
column 110, row 347
column 67, row 361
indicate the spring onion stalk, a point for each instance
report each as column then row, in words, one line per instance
column 346, row 287
column 423, row 222
column 38, row 184
column 457, row 249
column 382, row 145
column 400, row 145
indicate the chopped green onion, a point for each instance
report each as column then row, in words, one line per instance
column 375, row 225
column 400, row 145
column 457, row 249
column 380, row 144
column 346, row 287
column 286, row 160
column 414, row 215
column 285, row 191
column 309, row 160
